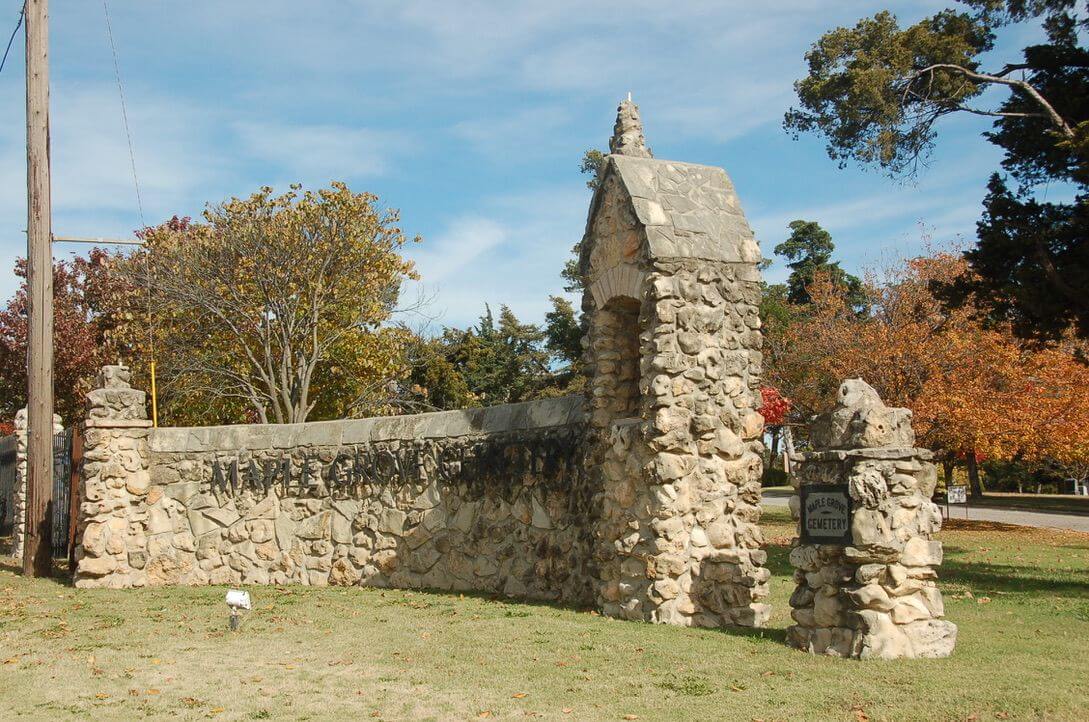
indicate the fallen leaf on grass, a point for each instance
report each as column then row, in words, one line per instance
column 152, row 691
column 102, row 695
column 631, row 716
column 519, row 695
column 11, row 660
column 568, row 710
column 217, row 710
column 983, row 600
column 484, row 713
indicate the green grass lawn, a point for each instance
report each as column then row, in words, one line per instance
column 1020, row 596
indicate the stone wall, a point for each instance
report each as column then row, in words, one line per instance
column 876, row 596
column 486, row 499
column 642, row 498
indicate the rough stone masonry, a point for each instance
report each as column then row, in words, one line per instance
column 674, row 341
column 641, row 497
column 875, row 595
column 19, row 493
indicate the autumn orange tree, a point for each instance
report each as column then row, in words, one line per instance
column 975, row 390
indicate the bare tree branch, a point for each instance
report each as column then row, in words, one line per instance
column 1049, row 111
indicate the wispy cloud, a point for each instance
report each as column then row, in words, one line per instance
column 512, row 255
column 425, row 101
column 463, row 242
column 322, row 152
column 522, row 132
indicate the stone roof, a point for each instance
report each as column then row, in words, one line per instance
column 689, row 210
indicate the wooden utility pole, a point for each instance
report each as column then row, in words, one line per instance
column 37, row 554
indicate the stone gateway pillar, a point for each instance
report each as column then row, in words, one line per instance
column 865, row 560
column 19, row 493
column 113, row 519
column 673, row 355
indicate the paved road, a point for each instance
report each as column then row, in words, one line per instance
column 1041, row 519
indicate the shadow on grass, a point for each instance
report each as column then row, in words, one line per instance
column 779, row 560
column 10, row 564
column 1012, row 578
column 776, row 635
column 506, row 604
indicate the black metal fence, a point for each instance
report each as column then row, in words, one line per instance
column 62, row 475
column 7, row 484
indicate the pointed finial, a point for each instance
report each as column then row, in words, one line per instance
column 628, row 132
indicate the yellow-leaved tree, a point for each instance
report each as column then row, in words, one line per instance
column 275, row 308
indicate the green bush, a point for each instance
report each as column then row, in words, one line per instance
column 775, row 477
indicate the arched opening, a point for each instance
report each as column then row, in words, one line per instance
column 618, row 354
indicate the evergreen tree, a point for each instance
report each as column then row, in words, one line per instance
column 809, row 252
column 876, row 92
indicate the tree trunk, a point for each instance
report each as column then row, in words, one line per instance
column 947, row 469
column 974, row 483
column 774, row 445
column 788, row 447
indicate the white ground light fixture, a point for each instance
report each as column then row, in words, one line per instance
column 237, row 600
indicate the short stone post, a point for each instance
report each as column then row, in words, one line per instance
column 865, row 560
column 19, row 493
column 112, row 521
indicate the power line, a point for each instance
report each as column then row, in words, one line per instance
column 140, row 208
column 18, row 24
column 124, row 112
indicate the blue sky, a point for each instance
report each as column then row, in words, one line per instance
column 470, row 117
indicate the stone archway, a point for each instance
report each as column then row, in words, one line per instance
column 680, row 468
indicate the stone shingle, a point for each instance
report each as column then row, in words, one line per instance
column 689, row 210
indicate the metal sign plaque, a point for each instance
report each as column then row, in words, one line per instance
column 956, row 495
column 826, row 514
